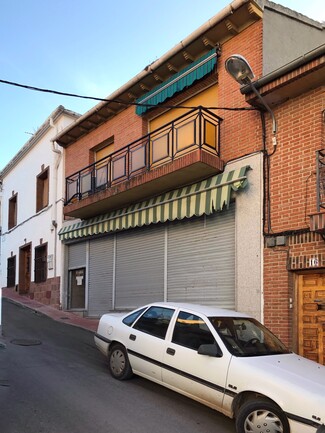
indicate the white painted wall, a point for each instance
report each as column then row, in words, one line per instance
column 249, row 237
column 32, row 226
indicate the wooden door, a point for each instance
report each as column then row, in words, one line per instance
column 311, row 316
column 24, row 269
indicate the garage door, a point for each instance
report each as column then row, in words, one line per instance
column 201, row 260
column 77, row 255
column 100, row 284
column 139, row 266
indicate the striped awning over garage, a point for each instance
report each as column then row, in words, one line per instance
column 205, row 197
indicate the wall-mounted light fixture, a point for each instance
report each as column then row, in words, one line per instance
column 239, row 69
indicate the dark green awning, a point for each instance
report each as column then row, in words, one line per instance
column 178, row 82
column 203, row 197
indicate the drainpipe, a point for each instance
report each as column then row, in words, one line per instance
column 54, row 222
column 55, row 190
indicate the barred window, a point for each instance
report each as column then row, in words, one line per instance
column 42, row 190
column 40, row 268
column 11, row 271
column 12, row 216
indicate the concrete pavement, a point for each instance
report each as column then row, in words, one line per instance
column 59, row 315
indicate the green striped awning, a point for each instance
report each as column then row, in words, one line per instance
column 205, row 197
column 178, row 82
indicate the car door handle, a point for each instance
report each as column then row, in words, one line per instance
column 132, row 337
column 170, row 351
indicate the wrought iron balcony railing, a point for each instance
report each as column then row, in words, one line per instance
column 197, row 129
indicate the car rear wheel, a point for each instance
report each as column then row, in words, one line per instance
column 261, row 416
column 118, row 363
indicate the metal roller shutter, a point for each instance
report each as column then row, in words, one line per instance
column 77, row 255
column 100, row 283
column 139, row 266
column 201, row 259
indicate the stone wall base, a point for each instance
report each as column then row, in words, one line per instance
column 47, row 293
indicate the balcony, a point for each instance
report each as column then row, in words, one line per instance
column 181, row 152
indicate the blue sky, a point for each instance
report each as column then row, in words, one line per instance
column 89, row 48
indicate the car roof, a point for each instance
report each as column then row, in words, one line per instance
column 207, row 310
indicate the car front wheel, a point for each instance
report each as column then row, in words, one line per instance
column 261, row 416
column 118, row 363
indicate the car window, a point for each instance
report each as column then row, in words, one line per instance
column 247, row 337
column 191, row 331
column 155, row 321
column 131, row 318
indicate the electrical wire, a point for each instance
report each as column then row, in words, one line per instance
column 117, row 101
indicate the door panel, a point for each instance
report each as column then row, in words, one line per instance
column 24, row 269
column 311, row 316
column 201, row 377
column 77, row 278
column 146, row 344
column 145, row 353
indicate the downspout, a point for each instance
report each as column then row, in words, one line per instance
column 54, row 223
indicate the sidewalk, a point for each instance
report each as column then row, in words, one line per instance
column 58, row 315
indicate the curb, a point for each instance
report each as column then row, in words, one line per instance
column 67, row 318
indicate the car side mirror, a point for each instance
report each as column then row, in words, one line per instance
column 210, row 350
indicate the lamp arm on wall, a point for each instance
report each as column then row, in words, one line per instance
column 257, row 93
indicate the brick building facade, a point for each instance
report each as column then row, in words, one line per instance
column 274, row 206
column 139, row 166
column 294, row 291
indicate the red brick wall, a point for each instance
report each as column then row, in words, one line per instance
column 293, row 166
column 125, row 127
column 277, row 291
column 241, row 130
column 293, row 199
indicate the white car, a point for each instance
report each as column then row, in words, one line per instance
column 221, row 358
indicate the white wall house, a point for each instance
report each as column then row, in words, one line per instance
column 31, row 201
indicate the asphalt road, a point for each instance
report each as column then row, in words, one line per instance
column 53, row 380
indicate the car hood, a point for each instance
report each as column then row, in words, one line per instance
column 295, row 383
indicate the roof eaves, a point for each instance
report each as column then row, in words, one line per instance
column 150, row 69
column 289, row 67
column 41, row 131
column 293, row 14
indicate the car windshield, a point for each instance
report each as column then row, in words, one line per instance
column 247, row 337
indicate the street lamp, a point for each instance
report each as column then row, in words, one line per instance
column 239, row 69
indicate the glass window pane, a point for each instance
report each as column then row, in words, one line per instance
column 86, row 183
column 72, row 189
column 101, row 176
column 118, row 167
column 155, row 321
column 160, row 148
column 131, row 318
column 191, row 331
column 138, row 158
column 185, row 135
column 210, row 134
